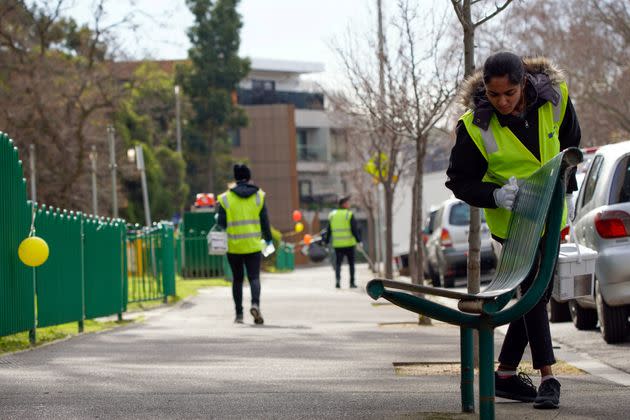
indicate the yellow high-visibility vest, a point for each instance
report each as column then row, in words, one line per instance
column 342, row 236
column 507, row 156
column 243, row 221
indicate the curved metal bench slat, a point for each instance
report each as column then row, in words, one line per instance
column 524, row 233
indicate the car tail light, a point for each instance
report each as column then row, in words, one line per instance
column 563, row 234
column 445, row 239
column 612, row 224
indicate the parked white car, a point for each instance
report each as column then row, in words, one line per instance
column 602, row 222
column 447, row 246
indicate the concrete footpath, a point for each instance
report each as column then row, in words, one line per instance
column 322, row 353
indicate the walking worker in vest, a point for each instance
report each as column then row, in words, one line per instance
column 344, row 233
column 243, row 214
column 520, row 116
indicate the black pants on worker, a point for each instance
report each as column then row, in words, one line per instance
column 348, row 252
column 250, row 262
column 532, row 328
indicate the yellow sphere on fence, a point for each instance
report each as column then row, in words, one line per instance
column 33, row 251
column 299, row 227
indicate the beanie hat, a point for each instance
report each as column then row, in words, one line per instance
column 343, row 200
column 241, row 172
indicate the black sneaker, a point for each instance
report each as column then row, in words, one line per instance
column 255, row 311
column 337, row 285
column 238, row 319
column 516, row 387
column 353, row 286
column 548, row 394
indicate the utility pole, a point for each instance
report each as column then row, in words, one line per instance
column 178, row 120
column 93, row 157
column 143, row 179
column 31, row 158
column 112, row 167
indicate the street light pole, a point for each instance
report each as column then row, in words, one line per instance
column 112, row 167
column 93, row 157
column 177, row 120
column 143, row 179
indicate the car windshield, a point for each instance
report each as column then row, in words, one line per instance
column 460, row 215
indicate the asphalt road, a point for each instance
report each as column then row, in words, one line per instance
column 322, row 353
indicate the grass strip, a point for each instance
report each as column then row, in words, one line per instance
column 184, row 288
column 19, row 341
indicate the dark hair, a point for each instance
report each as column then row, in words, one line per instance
column 504, row 64
column 343, row 200
column 242, row 172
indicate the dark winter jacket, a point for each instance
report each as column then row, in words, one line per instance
column 467, row 165
column 243, row 189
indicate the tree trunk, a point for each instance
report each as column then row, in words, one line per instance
column 210, row 168
column 372, row 242
column 389, row 207
column 474, row 241
column 413, row 240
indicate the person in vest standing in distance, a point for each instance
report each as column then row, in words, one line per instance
column 344, row 234
column 520, row 116
column 243, row 214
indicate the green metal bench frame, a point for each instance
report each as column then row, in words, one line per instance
column 538, row 209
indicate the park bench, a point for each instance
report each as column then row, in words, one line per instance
column 538, row 209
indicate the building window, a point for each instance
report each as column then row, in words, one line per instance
column 306, row 188
column 339, row 145
column 302, row 144
column 264, row 85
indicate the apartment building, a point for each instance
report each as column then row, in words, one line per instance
column 297, row 152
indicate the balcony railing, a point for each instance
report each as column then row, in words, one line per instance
column 311, row 153
column 301, row 100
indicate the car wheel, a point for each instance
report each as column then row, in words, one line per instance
column 446, row 281
column 613, row 320
column 559, row 311
column 583, row 318
column 435, row 278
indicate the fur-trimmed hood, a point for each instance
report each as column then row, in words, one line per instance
column 542, row 74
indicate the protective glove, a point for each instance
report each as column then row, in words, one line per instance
column 570, row 207
column 506, row 195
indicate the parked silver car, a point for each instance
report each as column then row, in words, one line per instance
column 602, row 222
column 447, row 246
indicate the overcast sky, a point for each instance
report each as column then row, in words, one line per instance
column 299, row 30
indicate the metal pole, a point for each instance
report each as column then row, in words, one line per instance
column 377, row 231
column 93, row 157
column 143, row 178
column 33, row 173
column 177, row 120
column 112, row 167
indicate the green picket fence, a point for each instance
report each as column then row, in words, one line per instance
column 195, row 261
column 151, row 263
column 86, row 273
column 17, row 285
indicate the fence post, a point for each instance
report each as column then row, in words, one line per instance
column 168, row 260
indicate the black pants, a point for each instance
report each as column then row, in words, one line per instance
column 348, row 252
column 532, row 328
column 251, row 262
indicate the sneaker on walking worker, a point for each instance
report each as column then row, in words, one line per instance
column 344, row 234
column 520, row 116
column 243, row 214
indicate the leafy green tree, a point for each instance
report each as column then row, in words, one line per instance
column 209, row 81
column 146, row 117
